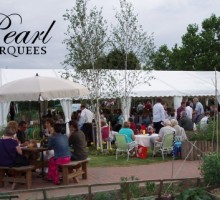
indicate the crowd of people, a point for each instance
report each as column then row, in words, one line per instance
column 147, row 118
column 61, row 149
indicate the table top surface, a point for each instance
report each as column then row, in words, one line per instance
column 146, row 135
column 37, row 149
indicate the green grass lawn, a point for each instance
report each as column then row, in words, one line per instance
column 108, row 159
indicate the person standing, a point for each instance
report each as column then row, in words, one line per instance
column 77, row 142
column 12, row 111
column 140, row 108
column 158, row 115
column 180, row 109
column 199, row 110
column 189, row 110
column 86, row 118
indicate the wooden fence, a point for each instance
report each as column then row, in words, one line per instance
column 194, row 150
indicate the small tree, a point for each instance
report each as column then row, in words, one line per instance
column 86, row 43
column 128, row 37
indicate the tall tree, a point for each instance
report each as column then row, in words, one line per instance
column 209, row 58
column 161, row 58
column 199, row 50
column 87, row 42
column 128, row 37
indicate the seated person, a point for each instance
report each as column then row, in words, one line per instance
column 132, row 125
column 77, row 142
column 185, row 122
column 143, row 128
column 59, row 143
column 128, row 132
column 179, row 130
column 49, row 131
column 130, row 137
column 104, row 130
column 150, row 130
column 166, row 129
column 204, row 121
column 21, row 135
column 10, row 149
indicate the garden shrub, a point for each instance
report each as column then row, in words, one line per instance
column 204, row 134
column 193, row 194
column 150, row 188
column 133, row 188
column 108, row 195
column 210, row 168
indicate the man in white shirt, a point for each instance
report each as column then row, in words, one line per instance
column 158, row 115
column 86, row 118
column 188, row 110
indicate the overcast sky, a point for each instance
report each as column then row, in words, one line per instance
column 166, row 19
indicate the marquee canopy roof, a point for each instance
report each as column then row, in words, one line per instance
column 164, row 84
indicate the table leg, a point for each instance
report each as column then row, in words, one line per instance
column 42, row 164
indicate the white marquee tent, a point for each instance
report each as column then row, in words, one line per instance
column 176, row 84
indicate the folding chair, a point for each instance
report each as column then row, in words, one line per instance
column 166, row 145
column 123, row 146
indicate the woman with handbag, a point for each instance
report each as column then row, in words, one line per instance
column 11, row 153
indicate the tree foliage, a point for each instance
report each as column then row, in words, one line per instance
column 115, row 60
column 87, row 36
column 200, row 49
column 129, row 38
column 86, row 43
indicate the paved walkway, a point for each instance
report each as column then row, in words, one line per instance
column 181, row 169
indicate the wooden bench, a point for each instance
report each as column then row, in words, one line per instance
column 17, row 175
column 74, row 169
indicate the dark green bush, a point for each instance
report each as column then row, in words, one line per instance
column 193, row 194
column 69, row 197
column 210, row 168
column 205, row 134
column 150, row 188
column 133, row 188
column 108, row 195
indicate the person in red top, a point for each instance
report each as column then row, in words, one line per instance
column 132, row 125
column 148, row 106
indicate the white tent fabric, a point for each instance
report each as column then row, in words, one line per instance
column 177, row 102
column 67, row 109
column 4, row 108
column 165, row 83
column 179, row 83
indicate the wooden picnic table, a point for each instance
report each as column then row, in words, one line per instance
column 33, row 155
